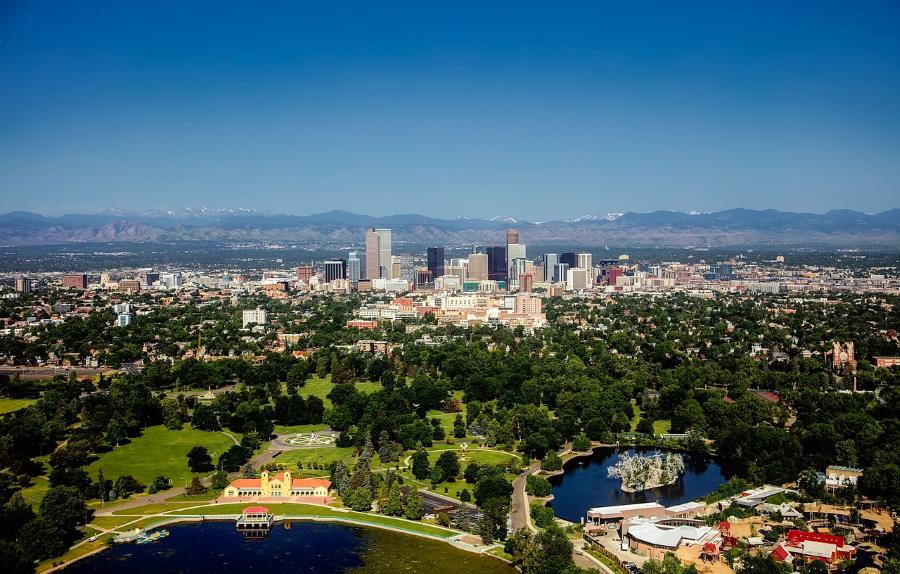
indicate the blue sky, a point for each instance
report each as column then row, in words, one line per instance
column 532, row 109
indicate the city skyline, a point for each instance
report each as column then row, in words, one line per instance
column 305, row 108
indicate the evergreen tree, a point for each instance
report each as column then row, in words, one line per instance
column 420, row 467
column 414, row 509
column 394, row 504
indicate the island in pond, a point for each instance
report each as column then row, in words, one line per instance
column 644, row 471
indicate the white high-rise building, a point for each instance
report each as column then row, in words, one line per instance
column 257, row 316
column 584, row 261
column 514, row 251
column 550, row 262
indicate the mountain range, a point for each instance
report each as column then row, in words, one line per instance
column 733, row 227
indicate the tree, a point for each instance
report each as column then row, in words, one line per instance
column 220, row 480
column 448, row 462
column 13, row 559
column 64, row 507
column 42, row 539
column 537, row 485
column 465, row 495
column 459, row 426
column 340, row 477
column 160, row 483
column 196, row 487
column 16, row 514
column 394, row 504
column 125, row 485
column 551, row 462
column 437, row 476
column 204, row 418
column 462, row 518
column 541, row 515
column 199, row 459
column 549, row 552
column 414, row 509
column 358, row 498
column 297, row 375
column 420, row 467
column 581, row 443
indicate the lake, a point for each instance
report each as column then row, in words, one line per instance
column 308, row 547
column 585, row 484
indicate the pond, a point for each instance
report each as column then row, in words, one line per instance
column 584, row 484
column 309, row 547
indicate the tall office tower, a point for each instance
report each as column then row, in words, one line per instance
column 75, row 281
column 335, row 269
column 569, row 258
column 478, row 266
column 560, row 272
column 584, row 261
column 436, row 261
column 407, row 270
column 353, row 267
column 384, row 253
column 514, row 251
column 512, row 236
column 373, row 256
column 497, row 269
column 305, row 273
column 550, row 262
column 424, row 277
column 23, row 284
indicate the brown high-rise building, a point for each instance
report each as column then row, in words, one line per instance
column 478, row 266
column 512, row 236
column 130, row 285
column 305, row 273
column 372, row 254
column 75, row 281
column 526, row 282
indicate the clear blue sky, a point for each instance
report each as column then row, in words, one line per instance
column 532, row 109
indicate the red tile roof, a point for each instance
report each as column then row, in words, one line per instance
column 256, row 510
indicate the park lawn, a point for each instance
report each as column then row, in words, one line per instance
column 195, row 498
column 637, row 416
column 85, row 548
column 10, row 405
column 661, row 427
column 35, row 493
column 320, row 387
column 159, row 451
column 324, row 456
column 158, row 507
column 446, row 419
column 474, row 455
column 309, row 510
column 111, row 522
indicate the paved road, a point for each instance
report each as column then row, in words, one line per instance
column 519, row 514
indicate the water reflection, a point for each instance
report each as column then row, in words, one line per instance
column 582, row 486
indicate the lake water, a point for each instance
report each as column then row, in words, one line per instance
column 585, row 484
column 307, row 547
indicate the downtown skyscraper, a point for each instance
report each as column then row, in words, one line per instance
column 378, row 254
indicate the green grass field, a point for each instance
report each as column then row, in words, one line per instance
column 294, row 429
column 10, row 405
column 158, row 451
column 319, row 387
column 35, row 493
column 659, row 427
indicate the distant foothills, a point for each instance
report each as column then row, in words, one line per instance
column 733, row 227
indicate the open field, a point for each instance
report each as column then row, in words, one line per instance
column 10, row 405
column 659, row 427
column 159, row 451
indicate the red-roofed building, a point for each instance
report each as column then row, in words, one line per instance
column 809, row 546
column 281, row 485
